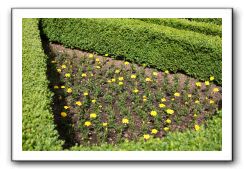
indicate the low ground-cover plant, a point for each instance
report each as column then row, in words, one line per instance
column 38, row 128
column 116, row 101
column 158, row 46
column 208, row 139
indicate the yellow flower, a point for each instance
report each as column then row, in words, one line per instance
column 211, row 78
column 63, row 114
column 100, row 106
column 126, row 63
column 85, row 93
column 215, row 90
column 59, row 70
column 170, row 111
column 177, row 94
column 197, row 127
column 195, row 115
column 105, row 124
column 207, row 83
column 166, row 128
column 109, row 81
column 148, row 79
column 125, row 121
column 197, row 101
column 146, row 136
column 66, row 107
column 88, row 123
column 67, row 75
column 198, row 84
column 144, row 98
column 121, row 78
column 166, row 72
column 62, row 87
column 161, row 105
column 97, row 60
column 91, row 74
column 154, row 131
column 189, row 95
column 98, row 67
column 63, row 66
column 135, row 90
column 173, row 99
column 168, row 121
column 163, row 99
column 144, row 65
column 78, row 103
column 90, row 56
column 106, row 54
column 155, row 73
column 53, row 61
column 133, row 76
column 93, row 115
column 153, row 113
column 121, row 83
column 69, row 90
column 211, row 101
column 93, row 101
column 113, row 80
column 55, row 87
column 83, row 75
column 117, row 71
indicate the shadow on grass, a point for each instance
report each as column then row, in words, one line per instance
column 63, row 125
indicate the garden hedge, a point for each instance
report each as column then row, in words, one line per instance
column 158, row 46
column 38, row 129
column 217, row 21
column 201, row 27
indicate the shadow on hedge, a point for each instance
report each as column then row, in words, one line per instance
column 63, row 125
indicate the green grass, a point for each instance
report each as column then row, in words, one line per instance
column 38, row 129
column 158, row 46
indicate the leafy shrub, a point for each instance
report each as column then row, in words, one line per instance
column 158, row 46
column 217, row 21
column 38, row 129
column 205, row 28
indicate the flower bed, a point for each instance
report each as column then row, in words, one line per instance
column 108, row 101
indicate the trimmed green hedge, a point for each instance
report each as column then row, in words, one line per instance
column 217, row 21
column 158, row 46
column 209, row 138
column 205, row 28
column 38, row 129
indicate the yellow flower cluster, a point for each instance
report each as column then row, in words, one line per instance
column 125, row 121
column 153, row 113
column 170, row 111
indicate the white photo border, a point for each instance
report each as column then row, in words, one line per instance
column 227, row 147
